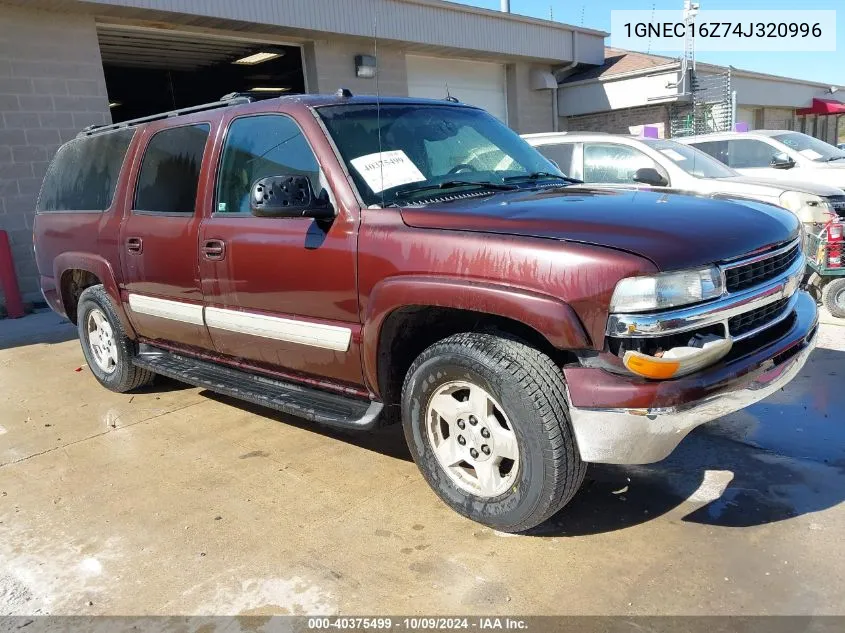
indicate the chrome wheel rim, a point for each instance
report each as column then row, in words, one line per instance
column 101, row 341
column 472, row 439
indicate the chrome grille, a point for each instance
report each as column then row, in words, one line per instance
column 744, row 323
column 761, row 269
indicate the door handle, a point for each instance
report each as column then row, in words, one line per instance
column 134, row 244
column 214, row 249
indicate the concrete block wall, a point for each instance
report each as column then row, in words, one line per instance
column 51, row 86
column 529, row 111
column 620, row 121
column 330, row 64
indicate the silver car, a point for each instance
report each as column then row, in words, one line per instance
column 628, row 161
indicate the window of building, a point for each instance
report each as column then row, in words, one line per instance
column 170, row 171
column 84, row 173
column 604, row 162
column 257, row 147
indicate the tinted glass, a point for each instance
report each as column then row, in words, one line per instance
column 691, row 160
column 716, row 149
column 561, row 154
column 257, row 147
column 171, row 169
column 749, row 153
column 604, row 162
column 84, row 173
column 424, row 146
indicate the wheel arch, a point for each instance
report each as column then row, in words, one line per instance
column 405, row 315
column 74, row 272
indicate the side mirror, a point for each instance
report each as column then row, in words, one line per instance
column 288, row 197
column 650, row 176
column 781, row 160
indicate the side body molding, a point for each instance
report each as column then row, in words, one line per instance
column 549, row 316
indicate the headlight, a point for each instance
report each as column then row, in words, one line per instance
column 808, row 207
column 666, row 290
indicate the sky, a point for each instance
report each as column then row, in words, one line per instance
column 822, row 67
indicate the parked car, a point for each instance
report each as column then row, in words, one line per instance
column 344, row 260
column 780, row 154
column 628, row 161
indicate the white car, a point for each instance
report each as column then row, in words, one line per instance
column 628, row 161
column 779, row 154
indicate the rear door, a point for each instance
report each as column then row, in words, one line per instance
column 159, row 235
column 280, row 292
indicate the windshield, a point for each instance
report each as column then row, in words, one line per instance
column 809, row 147
column 424, row 148
column 691, row 160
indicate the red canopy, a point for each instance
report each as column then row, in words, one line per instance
column 823, row 106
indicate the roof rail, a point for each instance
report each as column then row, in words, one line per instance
column 227, row 100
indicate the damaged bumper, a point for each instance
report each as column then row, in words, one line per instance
column 625, row 420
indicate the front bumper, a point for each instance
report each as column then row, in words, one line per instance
column 644, row 421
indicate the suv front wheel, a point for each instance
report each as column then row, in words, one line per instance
column 107, row 349
column 486, row 421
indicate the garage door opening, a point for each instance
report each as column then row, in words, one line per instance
column 149, row 71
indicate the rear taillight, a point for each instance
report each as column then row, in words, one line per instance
column 835, row 245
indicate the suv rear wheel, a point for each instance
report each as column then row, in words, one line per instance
column 106, row 347
column 486, row 421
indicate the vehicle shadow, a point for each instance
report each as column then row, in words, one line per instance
column 40, row 327
column 781, row 458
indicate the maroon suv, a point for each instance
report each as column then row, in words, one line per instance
column 356, row 261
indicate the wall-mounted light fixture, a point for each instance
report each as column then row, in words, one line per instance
column 365, row 66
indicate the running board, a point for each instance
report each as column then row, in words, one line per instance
column 303, row 402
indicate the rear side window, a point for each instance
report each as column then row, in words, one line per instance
column 167, row 182
column 84, row 173
column 717, row 149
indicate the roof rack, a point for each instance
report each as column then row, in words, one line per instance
column 231, row 99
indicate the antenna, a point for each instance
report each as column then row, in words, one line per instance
column 378, row 109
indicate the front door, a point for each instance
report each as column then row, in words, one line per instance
column 159, row 237
column 280, row 292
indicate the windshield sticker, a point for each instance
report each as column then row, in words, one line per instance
column 675, row 156
column 810, row 153
column 393, row 169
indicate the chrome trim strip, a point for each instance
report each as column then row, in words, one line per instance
column 761, row 256
column 711, row 313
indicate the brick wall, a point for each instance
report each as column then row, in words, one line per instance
column 51, row 86
column 626, row 121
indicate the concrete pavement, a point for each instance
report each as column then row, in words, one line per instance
column 174, row 500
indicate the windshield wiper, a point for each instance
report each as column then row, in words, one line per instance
column 538, row 175
column 451, row 184
column 833, row 158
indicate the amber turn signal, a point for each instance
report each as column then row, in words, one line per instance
column 650, row 367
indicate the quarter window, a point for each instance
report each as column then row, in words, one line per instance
column 257, row 147
column 170, row 171
column 604, row 162
column 84, row 173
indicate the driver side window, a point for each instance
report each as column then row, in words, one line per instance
column 749, row 153
column 604, row 162
column 257, row 147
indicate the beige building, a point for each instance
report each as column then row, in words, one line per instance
column 66, row 64
column 631, row 90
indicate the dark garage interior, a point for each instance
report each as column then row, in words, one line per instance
column 149, row 71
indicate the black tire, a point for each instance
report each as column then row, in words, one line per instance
column 834, row 298
column 125, row 376
column 530, row 390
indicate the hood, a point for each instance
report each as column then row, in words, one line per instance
column 673, row 231
column 787, row 185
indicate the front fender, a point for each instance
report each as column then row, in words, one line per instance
column 551, row 317
column 102, row 269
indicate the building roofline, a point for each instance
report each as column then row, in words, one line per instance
column 492, row 13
